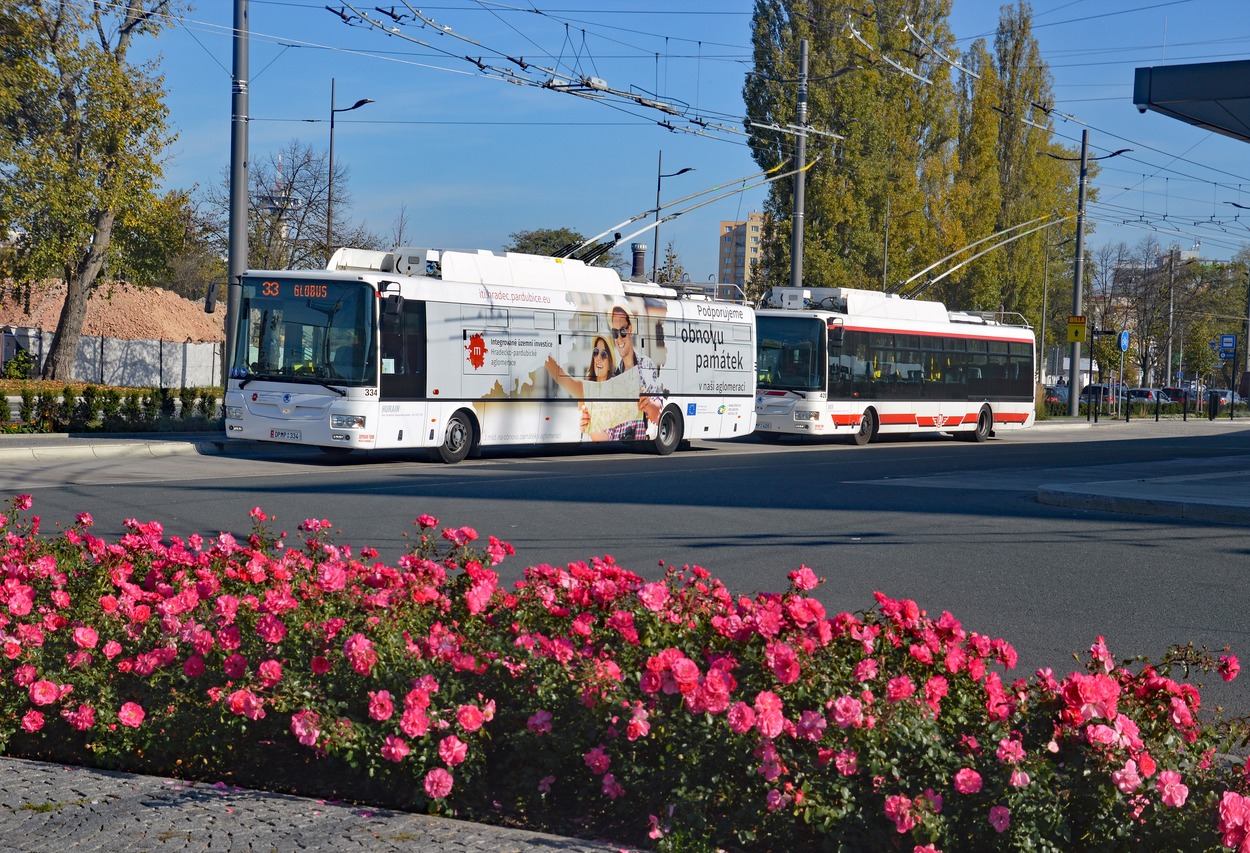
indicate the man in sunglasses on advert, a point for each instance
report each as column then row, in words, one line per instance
column 651, row 392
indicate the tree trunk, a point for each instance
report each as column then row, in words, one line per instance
column 79, row 282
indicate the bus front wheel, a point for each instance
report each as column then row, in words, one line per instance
column 867, row 431
column 985, row 425
column 457, row 440
column 668, row 432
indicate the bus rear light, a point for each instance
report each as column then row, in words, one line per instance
column 807, row 416
column 234, row 413
column 347, row 421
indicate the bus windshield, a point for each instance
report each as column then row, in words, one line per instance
column 306, row 331
column 791, row 354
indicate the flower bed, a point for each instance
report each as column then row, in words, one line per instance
column 671, row 714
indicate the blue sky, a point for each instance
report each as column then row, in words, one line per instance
column 473, row 158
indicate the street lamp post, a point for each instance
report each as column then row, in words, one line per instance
column 1045, row 291
column 659, row 177
column 330, row 182
column 1078, row 272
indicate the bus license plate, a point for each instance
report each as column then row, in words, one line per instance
column 284, row 434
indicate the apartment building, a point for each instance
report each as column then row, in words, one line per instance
column 739, row 250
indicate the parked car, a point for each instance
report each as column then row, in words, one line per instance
column 1148, row 396
column 1225, row 396
column 1178, row 395
column 1055, row 395
column 1102, row 393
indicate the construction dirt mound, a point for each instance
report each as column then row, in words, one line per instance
column 118, row 311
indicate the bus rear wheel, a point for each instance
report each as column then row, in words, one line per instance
column 457, row 440
column 867, row 431
column 668, row 432
column 985, row 425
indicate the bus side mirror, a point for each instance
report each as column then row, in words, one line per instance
column 392, row 310
column 836, row 336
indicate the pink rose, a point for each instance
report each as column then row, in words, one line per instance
column 44, row 692
column 438, row 783
column 1127, row 779
column 305, row 725
column 1000, row 818
column 848, row 712
column 539, row 722
column 131, row 714
column 1171, row 791
column 1229, row 667
column 967, row 781
column 597, row 760
column 452, row 750
column 898, row 808
column 741, row 718
column 86, row 637
column 380, row 705
column 395, row 749
column 898, row 689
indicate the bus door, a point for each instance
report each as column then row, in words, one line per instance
column 403, row 389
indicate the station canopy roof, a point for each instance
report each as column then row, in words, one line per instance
column 1211, row 95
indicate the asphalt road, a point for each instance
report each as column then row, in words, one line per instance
column 954, row 526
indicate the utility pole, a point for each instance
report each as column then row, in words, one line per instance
column 1171, row 303
column 796, row 233
column 236, row 263
column 1078, row 277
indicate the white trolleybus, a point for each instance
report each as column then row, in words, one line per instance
column 456, row 350
column 858, row 363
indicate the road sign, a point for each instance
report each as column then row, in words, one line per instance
column 1228, row 342
column 1077, row 330
column 1124, row 341
column 1228, row 354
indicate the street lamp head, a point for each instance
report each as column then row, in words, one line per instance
column 354, row 106
column 679, row 172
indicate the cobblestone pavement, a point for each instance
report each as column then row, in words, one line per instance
column 62, row 809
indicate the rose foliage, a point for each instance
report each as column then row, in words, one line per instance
column 670, row 714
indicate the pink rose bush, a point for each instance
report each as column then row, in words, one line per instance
column 671, row 713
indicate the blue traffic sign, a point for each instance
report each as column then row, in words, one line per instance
column 1124, row 341
column 1228, row 342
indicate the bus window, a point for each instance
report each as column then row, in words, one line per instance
column 403, row 354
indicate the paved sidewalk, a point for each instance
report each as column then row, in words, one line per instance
column 1221, row 495
column 62, row 809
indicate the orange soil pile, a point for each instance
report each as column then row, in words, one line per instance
column 119, row 311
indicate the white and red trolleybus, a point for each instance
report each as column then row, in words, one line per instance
column 455, row 350
column 859, row 363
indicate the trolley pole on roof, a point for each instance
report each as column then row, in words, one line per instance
column 796, row 233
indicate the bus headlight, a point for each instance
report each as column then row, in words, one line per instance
column 807, row 416
column 347, row 421
column 234, row 413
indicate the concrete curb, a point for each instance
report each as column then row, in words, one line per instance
column 62, row 446
column 67, row 809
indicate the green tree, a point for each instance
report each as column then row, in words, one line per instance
column 195, row 266
column 939, row 151
column 897, row 128
column 550, row 241
column 81, row 135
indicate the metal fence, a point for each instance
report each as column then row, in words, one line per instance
column 123, row 363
